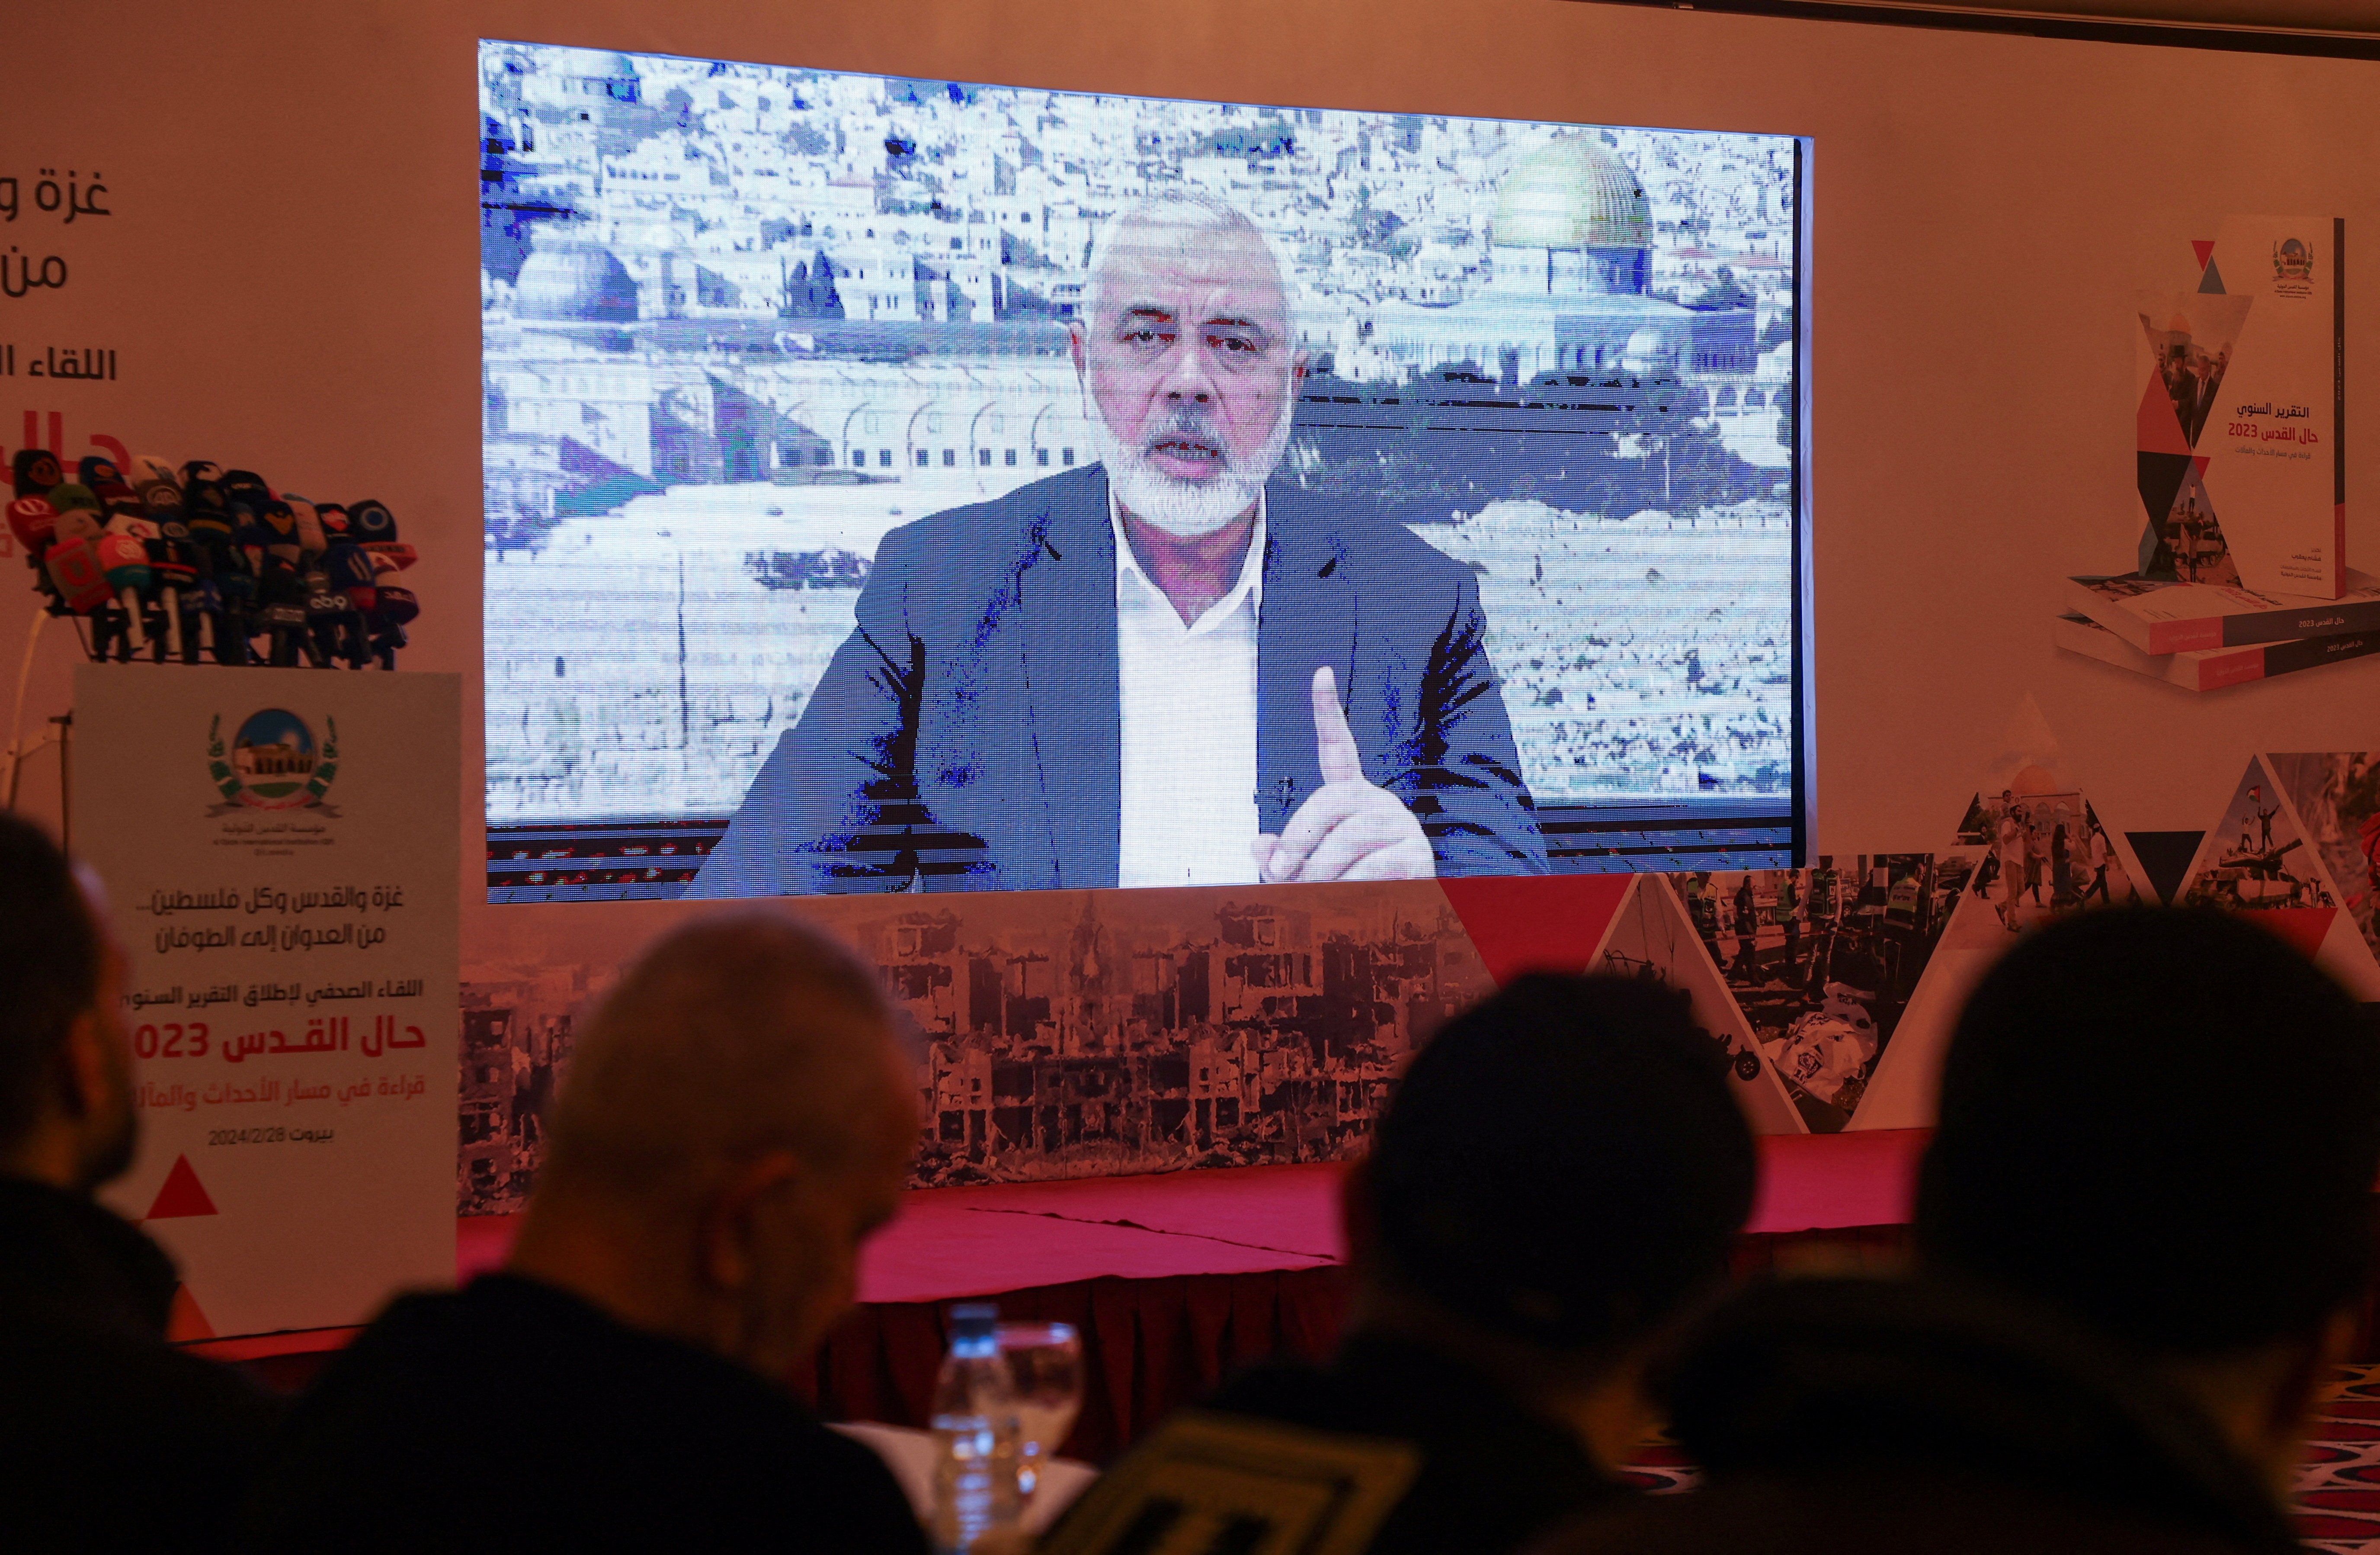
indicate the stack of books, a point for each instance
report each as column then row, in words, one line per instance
column 2239, row 456
column 2203, row 636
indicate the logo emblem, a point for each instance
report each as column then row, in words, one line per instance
column 274, row 762
column 2292, row 268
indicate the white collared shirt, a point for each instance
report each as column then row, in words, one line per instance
column 1187, row 714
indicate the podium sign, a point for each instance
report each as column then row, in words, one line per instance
column 280, row 852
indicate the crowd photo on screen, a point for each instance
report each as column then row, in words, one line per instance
column 782, row 365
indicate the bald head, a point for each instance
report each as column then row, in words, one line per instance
column 738, row 1118
column 741, row 1033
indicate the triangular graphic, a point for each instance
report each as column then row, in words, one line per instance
column 1549, row 923
column 2159, row 477
column 2211, row 284
column 1822, row 962
column 2255, row 857
column 2156, row 430
column 2033, row 849
column 2258, row 860
column 2337, row 797
column 2304, row 928
column 1653, row 937
column 2165, row 858
column 2189, row 547
column 183, row 1321
column 180, row 1194
column 2185, row 348
column 2204, row 249
column 2264, row 858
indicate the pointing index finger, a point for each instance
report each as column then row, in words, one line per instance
column 1335, row 743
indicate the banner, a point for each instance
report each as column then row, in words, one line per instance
column 279, row 848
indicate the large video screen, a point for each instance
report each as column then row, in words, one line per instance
column 897, row 484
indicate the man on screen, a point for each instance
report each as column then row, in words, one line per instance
column 1164, row 669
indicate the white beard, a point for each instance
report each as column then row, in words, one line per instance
column 1186, row 509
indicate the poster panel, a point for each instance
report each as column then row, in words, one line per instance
column 279, row 848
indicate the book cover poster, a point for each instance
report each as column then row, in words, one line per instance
column 1654, row 936
column 1824, row 961
column 2337, row 797
column 2258, row 859
column 2276, row 470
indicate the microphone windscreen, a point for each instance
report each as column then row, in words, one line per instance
column 310, row 524
column 371, row 520
column 35, row 470
column 158, row 497
column 74, row 566
column 32, row 520
column 124, row 559
column 396, row 604
column 66, row 494
column 397, row 552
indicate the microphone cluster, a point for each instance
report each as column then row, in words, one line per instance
column 201, row 563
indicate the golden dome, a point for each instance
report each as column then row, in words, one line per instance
column 1574, row 193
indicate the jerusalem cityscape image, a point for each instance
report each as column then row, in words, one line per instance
column 740, row 321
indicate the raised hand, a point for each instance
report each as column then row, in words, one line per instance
column 1347, row 830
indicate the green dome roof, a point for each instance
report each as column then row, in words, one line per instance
column 1575, row 193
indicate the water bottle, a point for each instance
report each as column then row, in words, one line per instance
column 974, row 1435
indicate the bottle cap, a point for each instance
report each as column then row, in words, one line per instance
column 974, row 1326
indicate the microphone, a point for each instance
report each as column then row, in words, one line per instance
column 282, row 523
column 369, row 521
column 72, row 562
column 231, row 585
column 393, row 604
column 245, row 485
column 71, row 494
column 174, row 558
column 106, row 481
column 124, row 556
column 190, row 571
column 34, row 471
column 152, row 482
column 332, row 623
column 281, row 596
column 310, row 541
column 32, row 520
column 348, row 570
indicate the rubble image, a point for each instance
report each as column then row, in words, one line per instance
column 1069, row 1034
column 1823, row 962
column 740, row 321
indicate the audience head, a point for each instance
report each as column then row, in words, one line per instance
column 1564, row 1166
column 67, row 1116
column 2166, row 1122
column 738, row 1117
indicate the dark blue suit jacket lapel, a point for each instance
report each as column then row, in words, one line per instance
column 1308, row 621
column 1066, row 600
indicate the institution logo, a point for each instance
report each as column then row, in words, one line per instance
column 2292, row 268
column 273, row 763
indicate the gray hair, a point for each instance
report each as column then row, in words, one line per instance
column 740, row 1032
column 1198, row 211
